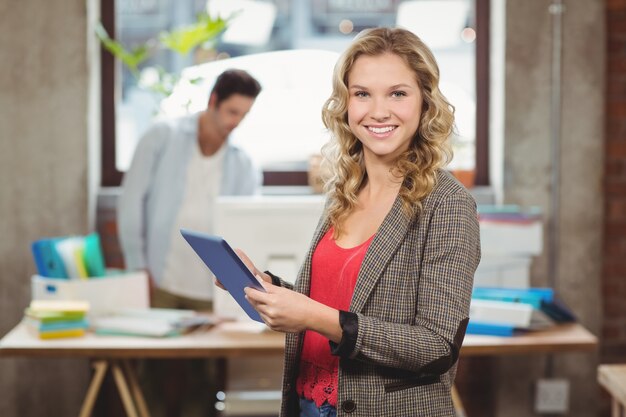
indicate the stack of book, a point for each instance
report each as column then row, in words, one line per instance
column 51, row 319
column 502, row 311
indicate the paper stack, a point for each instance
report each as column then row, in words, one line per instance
column 51, row 319
column 510, row 237
column 151, row 322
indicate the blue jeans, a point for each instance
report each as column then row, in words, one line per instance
column 309, row 409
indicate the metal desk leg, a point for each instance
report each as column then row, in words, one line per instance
column 122, row 387
column 135, row 389
column 94, row 386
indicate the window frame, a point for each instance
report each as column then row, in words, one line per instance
column 111, row 176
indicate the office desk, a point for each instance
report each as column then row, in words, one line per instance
column 223, row 341
column 114, row 354
column 558, row 339
column 613, row 379
column 231, row 340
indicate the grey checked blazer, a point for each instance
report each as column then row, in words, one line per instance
column 412, row 301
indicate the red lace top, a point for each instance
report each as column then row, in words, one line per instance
column 334, row 271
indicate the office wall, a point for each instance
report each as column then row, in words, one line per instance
column 505, row 386
column 528, row 173
column 43, row 177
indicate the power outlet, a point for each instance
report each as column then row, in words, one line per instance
column 552, row 396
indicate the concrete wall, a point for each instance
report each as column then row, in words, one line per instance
column 527, row 180
column 44, row 179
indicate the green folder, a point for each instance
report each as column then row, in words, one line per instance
column 94, row 261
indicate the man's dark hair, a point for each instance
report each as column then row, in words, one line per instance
column 235, row 81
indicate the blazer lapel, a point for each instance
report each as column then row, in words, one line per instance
column 388, row 238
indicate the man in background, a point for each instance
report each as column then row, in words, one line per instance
column 179, row 168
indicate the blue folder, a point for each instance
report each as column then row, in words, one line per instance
column 534, row 296
column 47, row 259
column 489, row 329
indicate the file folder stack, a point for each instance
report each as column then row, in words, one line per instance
column 502, row 311
column 71, row 257
column 51, row 319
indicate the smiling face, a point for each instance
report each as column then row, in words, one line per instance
column 384, row 105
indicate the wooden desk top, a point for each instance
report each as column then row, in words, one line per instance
column 613, row 379
column 224, row 340
column 569, row 337
column 236, row 339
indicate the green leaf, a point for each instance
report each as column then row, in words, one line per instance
column 196, row 80
column 181, row 40
column 187, row 38
column 132, row 59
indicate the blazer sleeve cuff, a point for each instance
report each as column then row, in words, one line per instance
column 275, row 280
column 349, row 323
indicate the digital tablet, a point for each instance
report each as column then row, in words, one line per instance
column 226, row 266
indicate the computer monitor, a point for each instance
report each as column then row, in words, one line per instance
column 274, row 231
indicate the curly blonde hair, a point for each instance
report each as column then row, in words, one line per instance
column 428, row 151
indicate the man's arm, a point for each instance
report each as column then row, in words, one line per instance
column 135, row 188
column 241, row 174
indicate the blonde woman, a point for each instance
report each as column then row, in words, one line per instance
column 377, row 316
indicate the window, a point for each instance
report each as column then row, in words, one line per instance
column 290, row 103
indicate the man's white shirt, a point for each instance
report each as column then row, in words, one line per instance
column 185, row 274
